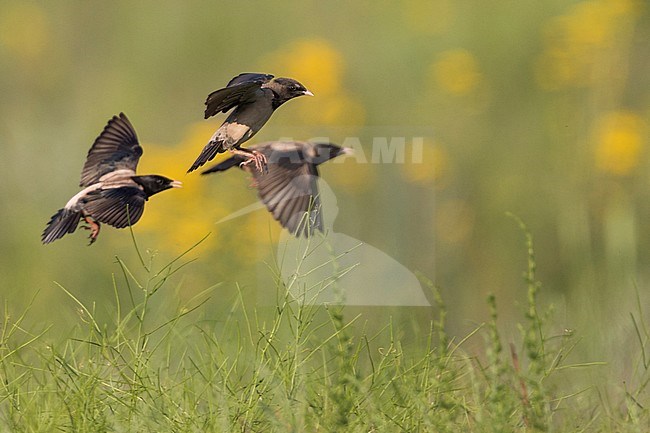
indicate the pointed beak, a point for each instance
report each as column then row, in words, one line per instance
column 347, row 151
column 307, row 93
column 177, row 184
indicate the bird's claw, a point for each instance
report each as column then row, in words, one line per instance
column 259, row 159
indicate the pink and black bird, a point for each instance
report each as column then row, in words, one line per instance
column 254, row 98
column 113, row 194
column 289, row 188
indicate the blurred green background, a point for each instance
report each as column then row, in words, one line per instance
column 539, row 108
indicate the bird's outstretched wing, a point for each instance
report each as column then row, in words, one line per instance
column 239, row 90
column 290, row 188
column 117, row 207
column 116, row 148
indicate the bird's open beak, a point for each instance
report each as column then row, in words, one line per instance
column 177, row 184
column 347, row 150
column 307, row 93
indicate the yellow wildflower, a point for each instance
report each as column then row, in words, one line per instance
column 182, row 216
column 576, row 41
column 619, row 139
column 456, row 72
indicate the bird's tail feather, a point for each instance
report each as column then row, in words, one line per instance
column 209, row 151
column 63, row 222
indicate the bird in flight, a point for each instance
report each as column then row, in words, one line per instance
column 254, row 98
column 289, row 188
column 113, row 193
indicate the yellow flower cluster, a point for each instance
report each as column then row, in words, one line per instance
column 190, row 208
column 456, row 72
column 619, row 138
column 574, row 42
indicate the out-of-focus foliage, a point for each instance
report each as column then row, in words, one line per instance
column 535, row 108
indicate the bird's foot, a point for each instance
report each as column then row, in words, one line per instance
column 94, row 229
column 257, row 158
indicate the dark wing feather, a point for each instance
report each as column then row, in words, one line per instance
column 116, row 206
column 238, row 90
column 290, row 192
column 116, row 148
column 225, row 164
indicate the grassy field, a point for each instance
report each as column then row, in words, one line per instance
column 159, row 364
column 539, row 108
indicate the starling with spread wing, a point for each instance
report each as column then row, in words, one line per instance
column 254, row 98
column 289, row 188
column 113, row 193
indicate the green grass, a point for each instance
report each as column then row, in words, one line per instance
column 160, row 364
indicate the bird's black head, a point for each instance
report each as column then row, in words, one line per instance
column 326, row 151
column 285, row 89
column 153, row 183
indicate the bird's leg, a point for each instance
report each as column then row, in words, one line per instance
column 93, row 226
column 252, row 156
